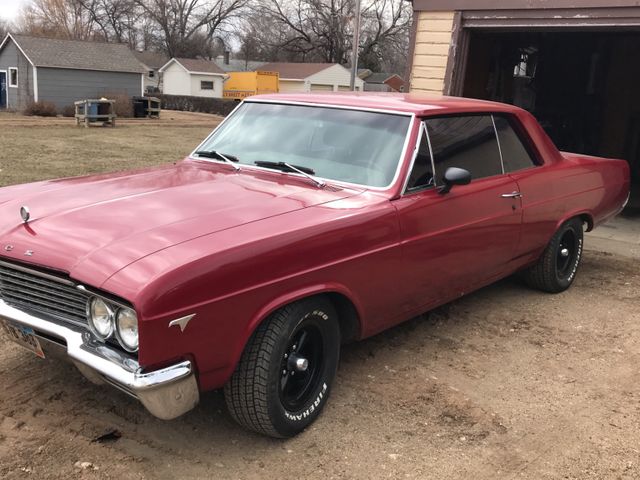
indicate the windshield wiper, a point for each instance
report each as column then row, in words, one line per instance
column 287, row 167
column 230, row 159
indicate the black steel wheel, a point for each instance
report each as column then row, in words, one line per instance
column 284, row 377
column 556, row 269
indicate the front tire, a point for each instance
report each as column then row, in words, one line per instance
column 285, row 374
column 556, row 269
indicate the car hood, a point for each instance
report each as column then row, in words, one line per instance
column 91, row 227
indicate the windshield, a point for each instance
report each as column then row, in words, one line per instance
column 346, row 145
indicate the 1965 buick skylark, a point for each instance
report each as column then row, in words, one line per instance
column 300, row 223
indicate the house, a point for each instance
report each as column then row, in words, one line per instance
column 572, row 63
column 62, row 71
column 152, row 62
column 309, row 77
column 382, row 82
column 193, row 77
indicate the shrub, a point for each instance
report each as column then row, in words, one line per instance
column 123, row 107
column 217, row 106
column 68, row 111
column 41, row 109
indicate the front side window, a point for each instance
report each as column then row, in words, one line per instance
column 514, row 154
column 13, row 77
column 353, row 146
column 421, row 176
column 467, row 142
column 205, row 85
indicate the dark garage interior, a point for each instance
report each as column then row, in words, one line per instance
column 584, row 87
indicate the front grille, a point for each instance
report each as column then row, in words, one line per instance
column 33, row 291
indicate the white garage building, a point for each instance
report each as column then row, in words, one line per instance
column 192, row 77
column 310, row 77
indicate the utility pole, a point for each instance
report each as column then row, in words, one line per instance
column 356, row 45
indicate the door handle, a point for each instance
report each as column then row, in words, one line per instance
column 512, row 195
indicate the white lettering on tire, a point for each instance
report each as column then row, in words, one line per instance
column 312, row 408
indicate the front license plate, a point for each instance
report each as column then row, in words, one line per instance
column 23, row 336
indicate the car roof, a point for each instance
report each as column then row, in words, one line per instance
column 415, row 103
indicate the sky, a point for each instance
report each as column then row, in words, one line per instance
column 9, row 8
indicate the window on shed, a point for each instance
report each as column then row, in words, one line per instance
column 13, row 77
column 152, row 74
column 206, row 85
column 467, row 142
column 514, row 154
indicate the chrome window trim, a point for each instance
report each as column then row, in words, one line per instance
column 495, row 130
column 423, row 132
column 322, row 105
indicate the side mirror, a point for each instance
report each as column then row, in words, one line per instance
column 455, row 176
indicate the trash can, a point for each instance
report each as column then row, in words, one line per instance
column 139, row 107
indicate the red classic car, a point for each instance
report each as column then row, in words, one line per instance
column 302, row 222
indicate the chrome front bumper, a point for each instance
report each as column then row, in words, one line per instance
column 167, row 393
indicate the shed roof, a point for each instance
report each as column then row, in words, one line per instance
column 77, row 55
column 152, row 60
column 195, row 65
column 296, row 71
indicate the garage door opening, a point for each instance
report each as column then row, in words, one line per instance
column 584, row 87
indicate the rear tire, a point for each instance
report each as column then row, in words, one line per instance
column 285, row 374
column 557, row 267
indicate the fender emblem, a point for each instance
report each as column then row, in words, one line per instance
column 181, row 322
column 8, row 248
column 29, row 253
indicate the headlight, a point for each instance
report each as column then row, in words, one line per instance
column 127, row 329
column 100, row 318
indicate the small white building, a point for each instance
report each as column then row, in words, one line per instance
column 312, row 77
column 192, row 77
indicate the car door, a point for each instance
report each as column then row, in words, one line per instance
column 540, row 206
column 455, row 242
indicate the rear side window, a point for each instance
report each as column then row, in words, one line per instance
column 467, row 142
column 514, row 154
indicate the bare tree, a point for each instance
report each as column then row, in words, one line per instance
column 4, row 29
column 115, row 20
column 385, row 35
column 184, row 24
column 57, row 18
column 322, row 30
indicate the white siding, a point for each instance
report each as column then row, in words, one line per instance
column 293, row 86
column 336, row 76
column 176, row 80
column 218, row 84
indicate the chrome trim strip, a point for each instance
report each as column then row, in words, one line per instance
column 328, row 180
column 433, row 162
column 495, row 130
column 116, row 367
column 416, row 150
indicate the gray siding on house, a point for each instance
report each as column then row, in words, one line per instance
column 10, row 56
column 65, row 86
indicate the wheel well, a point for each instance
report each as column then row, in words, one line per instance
column 586, row 218
column 347, row 316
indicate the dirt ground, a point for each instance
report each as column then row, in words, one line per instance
column 506, row 383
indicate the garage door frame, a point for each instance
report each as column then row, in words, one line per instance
column 557, row 19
